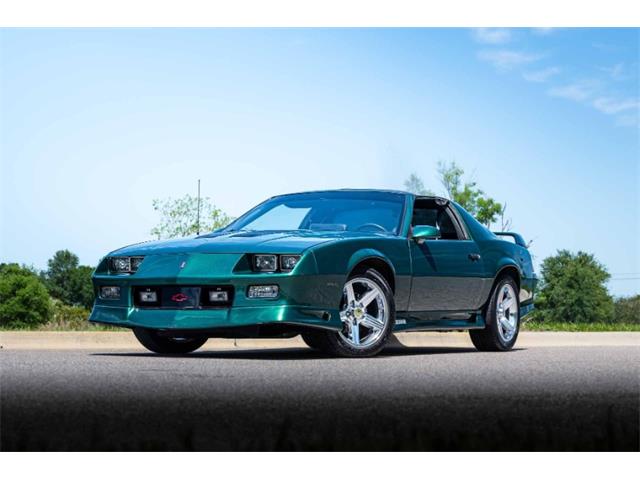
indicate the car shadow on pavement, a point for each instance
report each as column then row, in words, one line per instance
column 291, row 353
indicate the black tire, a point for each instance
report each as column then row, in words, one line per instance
column 489, row 339
column 334, row 344
column 315, row 340
column 157, row 343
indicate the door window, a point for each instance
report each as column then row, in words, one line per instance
column 428, row 212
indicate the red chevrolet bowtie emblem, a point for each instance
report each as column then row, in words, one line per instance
column 179, row 297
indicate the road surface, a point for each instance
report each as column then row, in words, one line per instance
column 420, row 398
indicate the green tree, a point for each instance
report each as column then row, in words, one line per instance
column 627, row 309
column 179, row 217
column 83, row 293
column 69, row 281
column 572, row 289
column 467, row 194
column 415, row 185
column 24, row 301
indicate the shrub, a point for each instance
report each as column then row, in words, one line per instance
column 573, row 290
column 66, row 317
column 24, row 301
column 627, row 309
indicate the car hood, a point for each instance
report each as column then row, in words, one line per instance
column 239, row 242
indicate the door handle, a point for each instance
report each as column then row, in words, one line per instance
column 474, row 257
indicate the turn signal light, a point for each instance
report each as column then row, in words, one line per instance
column 263, row 291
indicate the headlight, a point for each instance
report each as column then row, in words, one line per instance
column 288, row 262
column 125, row 264
column 274, row 263
column 265, row 263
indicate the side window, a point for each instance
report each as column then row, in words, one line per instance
column 427, row 212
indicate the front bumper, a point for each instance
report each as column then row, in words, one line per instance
column 305, row 298
column 215, row 318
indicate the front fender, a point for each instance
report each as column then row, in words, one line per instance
column 366, row 254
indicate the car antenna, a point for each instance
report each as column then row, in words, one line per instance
column 198, row 218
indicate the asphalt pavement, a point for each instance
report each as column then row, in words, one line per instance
column 419, row 398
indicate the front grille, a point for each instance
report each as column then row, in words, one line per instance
column 182, row 297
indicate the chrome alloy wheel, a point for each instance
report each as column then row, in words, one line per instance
column 364, row 312
column 507, row 313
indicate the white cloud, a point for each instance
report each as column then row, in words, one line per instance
column 578, row 92
column 541, row 76
column 611, row 106
column 617, row 72
column 504, row 60
column 493, row 36
column 625, row 110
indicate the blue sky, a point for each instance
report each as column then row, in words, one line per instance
column 94, row 124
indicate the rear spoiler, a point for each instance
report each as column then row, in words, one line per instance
column 516, row 237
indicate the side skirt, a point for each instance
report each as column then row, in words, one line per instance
column 438, row 321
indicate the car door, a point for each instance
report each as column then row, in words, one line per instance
column 447, row 273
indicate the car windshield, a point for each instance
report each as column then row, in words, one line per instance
column 379, row 212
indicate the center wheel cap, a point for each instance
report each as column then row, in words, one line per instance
column 358, row 313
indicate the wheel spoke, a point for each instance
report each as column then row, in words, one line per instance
column 368, row 297
column 355, row 334
column 370, row 321
column 506, row 304
column 505, row 324
column 351, row 297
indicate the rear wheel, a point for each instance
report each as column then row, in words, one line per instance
column 503, row 319
column 152, row 340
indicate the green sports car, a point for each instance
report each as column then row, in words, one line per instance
column 343, row 269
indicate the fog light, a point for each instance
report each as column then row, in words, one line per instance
column 110, row 293
column 221, row 296
column 263, row 291
column 149, row 297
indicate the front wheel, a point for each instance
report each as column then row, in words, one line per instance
column 367, row 311
column 157, row 343
column 503, row 319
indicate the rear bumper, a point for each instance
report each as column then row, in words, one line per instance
column 204, row 319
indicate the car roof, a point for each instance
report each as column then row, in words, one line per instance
column 377, row 190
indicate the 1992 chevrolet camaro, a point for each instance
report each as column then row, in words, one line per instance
column 342, row 268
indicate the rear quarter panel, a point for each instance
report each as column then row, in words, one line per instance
column 498, row 253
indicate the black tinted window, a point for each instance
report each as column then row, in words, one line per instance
column 428, row 212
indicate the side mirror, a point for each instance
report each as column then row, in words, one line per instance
column 425, row 232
